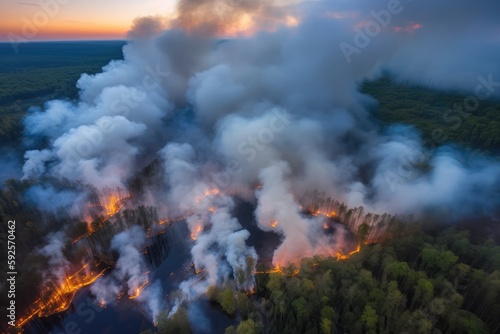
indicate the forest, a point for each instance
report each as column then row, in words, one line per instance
column 445, row 282
column 447, row 113
column 41, row 72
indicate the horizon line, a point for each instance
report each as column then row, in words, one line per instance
column 69, row 40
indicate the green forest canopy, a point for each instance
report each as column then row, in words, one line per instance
column 45, row 71
column 416, row 284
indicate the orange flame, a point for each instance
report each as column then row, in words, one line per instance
column 207, row 193
column 58, row 300
column 196, row 233
column 282, row 271
column 164, row 221
column 114, row 203
column 137, row 291
column 111, row 205
column 330, row 214
column 251, row 292
column 278, row 270
column 341, row 256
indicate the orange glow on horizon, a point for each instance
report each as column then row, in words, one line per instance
column 97, row 20
column 62, row 30
column 76, row 19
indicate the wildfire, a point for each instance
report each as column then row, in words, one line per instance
column 251, row 292
column 164, row 221
column 207, row 193
column 196, row 233
column 171, row 220
column 111, row 204
column 137, row 291
column 284, row 272
column 55, row 300
column 275, row 270
column 114, row 203
column 341, row 256
column 330, row 214
column 274, row 224
column 278, row 270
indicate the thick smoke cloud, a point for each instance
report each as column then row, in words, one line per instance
column 132, row 272
column 230, row 17
column 278, row 210
column 219, row 251
column 421, row 46
column 271, row 118
column 53, row 251
column 50, row 199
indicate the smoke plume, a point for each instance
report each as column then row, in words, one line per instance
column 269, row 118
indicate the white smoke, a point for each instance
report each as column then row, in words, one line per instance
column 281, row 109
column 132, row 272
column 219, row 251
column 53, row 250
column 279, row 211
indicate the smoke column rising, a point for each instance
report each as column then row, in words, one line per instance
column 280, row 108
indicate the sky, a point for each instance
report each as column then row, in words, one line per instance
column 38, row 20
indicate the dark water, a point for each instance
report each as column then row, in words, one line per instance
column 170, row 262
column 264, row 242
column 169, row 257
column 84, row 316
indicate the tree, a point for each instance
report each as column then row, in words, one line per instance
column 328, row 319
column 298, row 305
column 466, row 322
column 178, row 323
column 363, row 232
column 243, row 304
column 394, row 302
column 369, row 318
column 396, row 270
column 419, row 323
column 226, row 300
column 423, row 292
column 435, row 259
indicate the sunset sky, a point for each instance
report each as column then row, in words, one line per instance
column 75, row 19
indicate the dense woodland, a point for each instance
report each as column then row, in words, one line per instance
column 43, row 71
column 445, row 113
column 420, row 283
